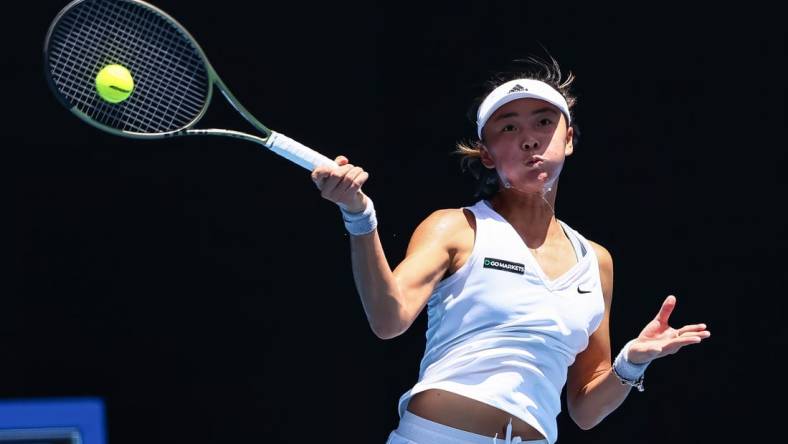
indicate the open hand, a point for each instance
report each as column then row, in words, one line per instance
column 659, row 339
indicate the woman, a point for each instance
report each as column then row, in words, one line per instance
column 518, row 301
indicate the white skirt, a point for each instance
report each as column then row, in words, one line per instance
column 414, row 429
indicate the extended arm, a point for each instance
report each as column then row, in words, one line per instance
column 593, row 389
column 392, row 299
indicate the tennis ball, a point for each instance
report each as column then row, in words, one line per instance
column 114, row 83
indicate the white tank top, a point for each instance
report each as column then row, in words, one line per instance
column 501, row 332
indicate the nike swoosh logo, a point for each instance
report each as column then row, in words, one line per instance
column 581, row 291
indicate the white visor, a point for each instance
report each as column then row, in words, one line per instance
column 519, row 89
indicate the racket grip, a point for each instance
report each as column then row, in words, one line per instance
column 296, row 152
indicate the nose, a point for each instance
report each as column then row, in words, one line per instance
column 529, row 145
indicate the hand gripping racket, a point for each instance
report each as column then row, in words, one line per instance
column 172, row 79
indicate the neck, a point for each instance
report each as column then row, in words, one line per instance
column 531, row 214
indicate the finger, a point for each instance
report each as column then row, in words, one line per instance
column 672, row 346
column 320, row 173
column 666, row 310
column 341, row 160
column 694, row 327
column 336, row 176
column 683, row 341
column 349, row 180
column 694, row 334
column 361, row 179
column 322, row 168
column 319, row 181
column 355, row 185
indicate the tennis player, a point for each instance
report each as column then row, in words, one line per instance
column 518, row 301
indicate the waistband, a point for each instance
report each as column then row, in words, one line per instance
column 421, row 430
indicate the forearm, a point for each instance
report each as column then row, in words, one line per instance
column 375, row 284
column 599, row 398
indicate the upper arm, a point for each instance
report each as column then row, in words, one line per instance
column 430, row 254
column 596, row 358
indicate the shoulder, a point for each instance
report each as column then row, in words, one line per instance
column 449, row 227
column 603, row 256
column 448, row 219
column 605, row 260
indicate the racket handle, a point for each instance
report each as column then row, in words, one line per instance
column 296, row 152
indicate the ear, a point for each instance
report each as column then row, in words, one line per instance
column 568, row 146
column 485, row 157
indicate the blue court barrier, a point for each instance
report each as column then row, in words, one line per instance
column 55, row 421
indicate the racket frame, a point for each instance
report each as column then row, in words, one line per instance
column 277, row 142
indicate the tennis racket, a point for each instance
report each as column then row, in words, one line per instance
column 172, row 79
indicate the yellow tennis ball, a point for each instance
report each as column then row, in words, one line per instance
column 114, row 83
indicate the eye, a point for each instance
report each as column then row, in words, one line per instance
column 507, row 128
column 545, row 121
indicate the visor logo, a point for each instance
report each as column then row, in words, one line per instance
column 517, row 88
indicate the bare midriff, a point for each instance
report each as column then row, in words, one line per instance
column 467, row 414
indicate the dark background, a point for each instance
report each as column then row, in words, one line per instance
column 203, row 289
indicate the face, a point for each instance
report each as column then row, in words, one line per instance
column 527, row 140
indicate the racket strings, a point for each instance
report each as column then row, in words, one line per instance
column 155, row 99
column 86, row 90
column 171, row 80
column 84, row 54
column 158, row 100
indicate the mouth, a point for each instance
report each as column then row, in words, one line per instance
column 535, row 162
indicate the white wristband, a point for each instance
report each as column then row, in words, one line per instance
column 628, row 372
column 364, row 222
